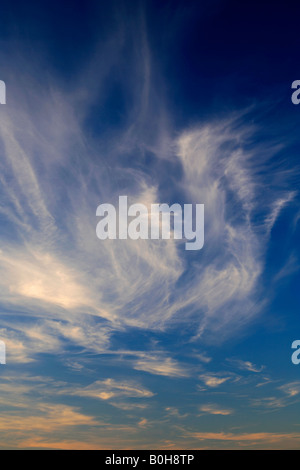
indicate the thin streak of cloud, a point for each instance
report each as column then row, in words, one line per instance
column 110, row 388
column 215, row 410
column 246, row 365
column 213, row 381
column 161, row 366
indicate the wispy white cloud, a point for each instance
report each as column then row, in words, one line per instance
column 290, row 267
column 110, row 388
column 56, row 265
column 215, row 410
column 174, row 412
column 277, row 208
column 161, row 366
column 289, row 395
column 61, row 289
column 202, row 357
column 264, row 440
column 49, row 418
column 246, row 365
column 291, row 389
column 213, row 380
column 70, row 289
column 125, row 406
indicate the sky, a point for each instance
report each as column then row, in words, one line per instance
column 140, row 344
